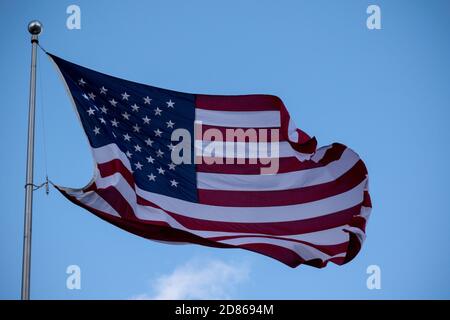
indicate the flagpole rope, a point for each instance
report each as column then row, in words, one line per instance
column 38, row 186
column 47, row 180
column 44, row 132
column 42, row 48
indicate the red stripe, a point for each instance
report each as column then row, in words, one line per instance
column 253, row 102
column 285, row 255
column 330, row 250
column 337, row 260
column 91, row 187
column 117, row 202
column 287, row 164
column 114, row 166
column 260, row 134
column 359, row 222
column 367, row 201
column 354, row 247
column 304, row 138
column 228, row 198
column 273, row 228
column 144, row 202
column 219, row 165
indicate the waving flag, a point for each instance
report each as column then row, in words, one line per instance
column 272, row 192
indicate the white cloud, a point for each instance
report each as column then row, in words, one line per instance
column 212, row 279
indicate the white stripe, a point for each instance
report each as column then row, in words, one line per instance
column 280, row 181
column 110, row 152
column 320, row 153
column 304, row 251
column 292, row 131
column 249, row 150
column 324, row 237
column 365, row 212
column 358, row 232
column 238, row 119
column 331, row 236
column 93, row 200
column 118, row 180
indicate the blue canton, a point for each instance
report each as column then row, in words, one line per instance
column 139, row 119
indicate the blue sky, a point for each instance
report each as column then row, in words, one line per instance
column 385, row 93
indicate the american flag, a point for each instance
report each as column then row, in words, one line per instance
column 312, row 210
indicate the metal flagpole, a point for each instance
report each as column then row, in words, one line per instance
column 35, row 28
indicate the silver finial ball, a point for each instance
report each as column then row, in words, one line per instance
column 35, row 27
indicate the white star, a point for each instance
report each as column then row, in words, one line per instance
column 170, row 104
column 137, row 148
column 135, row 107
column 158, row 111
column 102, row 120
column 172, row 166
column 147, row 100
column 126, row 115
column 161, row 170
column 126, row 137
column 81, row 82
column 104, row 110
column 150, row 159
column 125, row 96
column 138, row 165
column 151, row 177
column 171, row 147
column 114, row 123
column 159, row 153
column 92, row 95
column 157, row 132
column 113, row 102
column 96, row 130
column 149, row 142
column 173, row 183
column 170, row 124
column 103, row 90
column 90, row 111
column 129, row 154
column 136, row 128
column 146, row 120
column 85, row 96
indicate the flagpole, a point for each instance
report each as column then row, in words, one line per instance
column 35, row 28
